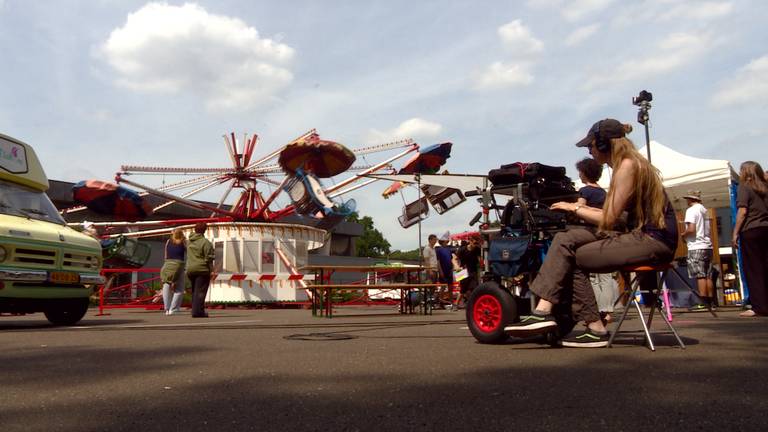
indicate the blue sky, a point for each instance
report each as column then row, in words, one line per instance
column 100, row 83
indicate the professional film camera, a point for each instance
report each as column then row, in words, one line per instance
column 515, row 249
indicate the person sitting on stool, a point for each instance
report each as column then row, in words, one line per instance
column 635, row 188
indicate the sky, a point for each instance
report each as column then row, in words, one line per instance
column 95, row 84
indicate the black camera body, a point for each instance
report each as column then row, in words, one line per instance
column 644, row 96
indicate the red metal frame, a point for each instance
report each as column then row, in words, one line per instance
column 140, row 302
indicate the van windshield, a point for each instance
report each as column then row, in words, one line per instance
column 17, row 200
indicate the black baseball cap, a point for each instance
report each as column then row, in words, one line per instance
column 604, row 129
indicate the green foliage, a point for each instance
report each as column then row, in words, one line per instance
column 372, row 243
column 412, row 255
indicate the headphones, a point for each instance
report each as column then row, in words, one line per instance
column 603, row 145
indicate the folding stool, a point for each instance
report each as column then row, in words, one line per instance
column 633, row 288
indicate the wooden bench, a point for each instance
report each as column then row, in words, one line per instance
column 323, row 302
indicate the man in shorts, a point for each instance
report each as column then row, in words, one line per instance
column 697, row 237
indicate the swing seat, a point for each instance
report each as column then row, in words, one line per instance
column 442, row 198
column 414, row 212
column 309, row 199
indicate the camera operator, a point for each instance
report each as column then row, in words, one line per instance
column 635, row 188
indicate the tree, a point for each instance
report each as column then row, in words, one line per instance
column 410, row 255
column 372, row 243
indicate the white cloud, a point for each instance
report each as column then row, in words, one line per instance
column 415, row 128
column 577, row 9
column 502, row 75
column 571, row 10
column 518, row 38
column 674, row 51
column 702, row 11
column 679, row 11
column 748, row 85
column 174, row 49
column 523, row 48
column 581, row 34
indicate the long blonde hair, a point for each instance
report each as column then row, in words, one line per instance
column 177, row 236
column 648, row 195
column 752, row 175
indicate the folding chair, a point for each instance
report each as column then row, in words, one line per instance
column 633, row 288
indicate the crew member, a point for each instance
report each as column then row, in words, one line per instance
column 635, row 188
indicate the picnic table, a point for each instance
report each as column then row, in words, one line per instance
column 322, row 303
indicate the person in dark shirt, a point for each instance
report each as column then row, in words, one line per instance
column 591, row 194
column 750, row 233
column 445, row 259
column 636, row 188
column 172, row 273
column 469, row 258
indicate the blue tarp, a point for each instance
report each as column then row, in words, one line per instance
column 743, row 284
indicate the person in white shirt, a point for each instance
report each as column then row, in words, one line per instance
column 429, row 258
column 697, row 237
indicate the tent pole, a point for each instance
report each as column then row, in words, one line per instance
column 418, row 189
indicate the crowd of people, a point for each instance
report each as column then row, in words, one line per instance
column 449, row 262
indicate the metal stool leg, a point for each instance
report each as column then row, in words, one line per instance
column 674, row 332
column 631, row 290
column 634, row 287
column 645, row 326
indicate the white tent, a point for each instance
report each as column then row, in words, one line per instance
column 681, row 173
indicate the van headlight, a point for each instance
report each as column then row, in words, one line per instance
column 3, row 254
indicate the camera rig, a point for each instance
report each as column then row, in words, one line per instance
column 531, row 188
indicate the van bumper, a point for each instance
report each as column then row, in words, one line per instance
column 42, row 276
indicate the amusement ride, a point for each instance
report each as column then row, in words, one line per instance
column 260, row 245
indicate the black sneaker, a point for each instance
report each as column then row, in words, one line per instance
column 532, row 324
column 585, row 339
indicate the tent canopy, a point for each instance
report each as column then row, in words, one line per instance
column 682, row 173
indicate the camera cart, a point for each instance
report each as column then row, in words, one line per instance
column 514, row 251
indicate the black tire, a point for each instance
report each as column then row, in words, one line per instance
column 68, row 312
column 489, row 310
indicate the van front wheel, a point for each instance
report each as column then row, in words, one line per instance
column 67, row 312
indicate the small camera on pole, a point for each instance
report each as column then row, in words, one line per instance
column 643, row 100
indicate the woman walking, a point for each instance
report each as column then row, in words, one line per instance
column 751, row 234
column 172, row 273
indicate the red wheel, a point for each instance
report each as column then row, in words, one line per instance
column 490, row 309
column 487, row 313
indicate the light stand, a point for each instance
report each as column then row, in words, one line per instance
column 418, row 188
column 643, row 101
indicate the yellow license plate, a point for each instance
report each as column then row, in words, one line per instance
column 64, row 277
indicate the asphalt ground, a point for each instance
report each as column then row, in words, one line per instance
column 286, row 370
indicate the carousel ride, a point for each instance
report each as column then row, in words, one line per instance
column 281, row 208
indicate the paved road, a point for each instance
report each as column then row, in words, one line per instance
column 285, row 370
